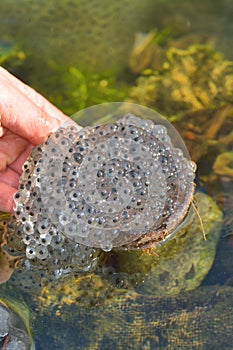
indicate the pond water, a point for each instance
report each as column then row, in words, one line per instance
column 176, row 58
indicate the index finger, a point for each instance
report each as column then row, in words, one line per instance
column 26, row 112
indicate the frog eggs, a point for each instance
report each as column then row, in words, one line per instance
column 104, row 186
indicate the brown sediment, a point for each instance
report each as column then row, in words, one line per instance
column 6, row 268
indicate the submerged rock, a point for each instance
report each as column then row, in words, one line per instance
column 13, row 334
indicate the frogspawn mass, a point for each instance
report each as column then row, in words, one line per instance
column 106, row 186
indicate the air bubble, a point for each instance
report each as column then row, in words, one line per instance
column 106, row 245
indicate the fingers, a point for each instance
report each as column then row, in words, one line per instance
column 18, row 163
column 25, row 112
column 11, row 146
column 26, row 119
column 32, row 95
column 6, row 197
column 9, row 181
column 10, row 177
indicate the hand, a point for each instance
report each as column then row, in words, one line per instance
column 26, row 119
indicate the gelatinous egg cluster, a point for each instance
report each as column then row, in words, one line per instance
column 103, row 186
column 45, row 251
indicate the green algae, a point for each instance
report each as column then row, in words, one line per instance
column 11, row 56
column 71, row 89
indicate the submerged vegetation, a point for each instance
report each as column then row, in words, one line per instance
column 191, row 79
column 11, row 56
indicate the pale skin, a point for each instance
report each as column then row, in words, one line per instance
column 26, row 120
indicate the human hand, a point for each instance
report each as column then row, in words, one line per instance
column 26, row 119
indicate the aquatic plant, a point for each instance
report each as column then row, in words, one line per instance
column 190, row 79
